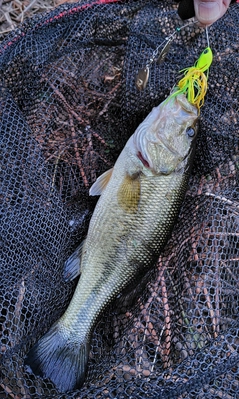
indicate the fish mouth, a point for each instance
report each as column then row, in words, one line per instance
column 187, row 106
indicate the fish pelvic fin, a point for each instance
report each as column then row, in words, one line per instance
column 73, row 264
column 60, row 359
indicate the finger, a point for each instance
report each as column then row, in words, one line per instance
column 209, row 11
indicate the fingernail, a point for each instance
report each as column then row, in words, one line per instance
column 207, row 11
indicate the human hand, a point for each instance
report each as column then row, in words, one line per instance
column 206, row 11
column 209, row 11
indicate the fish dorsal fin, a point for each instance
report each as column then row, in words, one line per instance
column 73, row 264
column 129, row 193
column 100, row 184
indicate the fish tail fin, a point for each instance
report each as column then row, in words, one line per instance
column 60, row 359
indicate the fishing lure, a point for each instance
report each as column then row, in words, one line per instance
column 194, row 82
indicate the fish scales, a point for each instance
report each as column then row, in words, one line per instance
column 139, row 203
column 138, row 239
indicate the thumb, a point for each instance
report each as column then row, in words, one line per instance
column 208, row 11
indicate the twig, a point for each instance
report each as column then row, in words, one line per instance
column 219, row 394
column 141, row 351
column 167, row 321
column 9, row 391
column 78, row 158
column 68, row 107
column 17, row 312
column 217, row 298
column 55, row 170
column 112, row 94
column 224, row 199
column 99, row 137
column 12, row 395
column 230, row 272
column 184, row 316
column 91, row 151
column 211, row 311
column 157, row 348
column 73, row 113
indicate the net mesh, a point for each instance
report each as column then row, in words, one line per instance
column 68, row 105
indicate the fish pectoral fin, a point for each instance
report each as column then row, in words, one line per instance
column 129, row 193
column 101, row 183
column 73, row 264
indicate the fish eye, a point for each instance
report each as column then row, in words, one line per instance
column 190, row 131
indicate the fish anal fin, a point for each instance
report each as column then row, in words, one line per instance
column 100, row 184
column 73, row 264
column 60, row 360
column 129, row 193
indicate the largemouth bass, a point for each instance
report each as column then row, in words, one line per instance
column 140, row 200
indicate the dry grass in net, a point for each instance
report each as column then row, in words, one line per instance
column 14, row 12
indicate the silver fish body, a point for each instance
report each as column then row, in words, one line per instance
column 139, row 203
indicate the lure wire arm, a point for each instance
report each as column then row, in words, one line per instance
column 143, row 73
